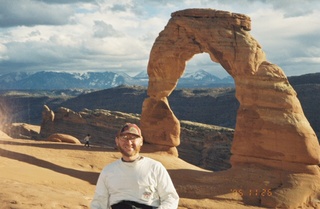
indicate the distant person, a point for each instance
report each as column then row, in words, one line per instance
column 134, row 181
column 87, row 140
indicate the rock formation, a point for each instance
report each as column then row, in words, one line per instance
column 206, row 146
column 22, row 130
column 102, row 125
column 271, row 129
column 4, row 135
column 63, row 138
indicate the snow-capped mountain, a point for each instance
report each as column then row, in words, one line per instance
column 200, row 75
column 202, row 78
column 142, row 75
column 99, row 80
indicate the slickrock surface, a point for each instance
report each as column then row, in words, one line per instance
column 4, row 135
column 47, row 175
column 271, row 128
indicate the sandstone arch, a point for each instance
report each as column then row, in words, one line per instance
column 271, row 128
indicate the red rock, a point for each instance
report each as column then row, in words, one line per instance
column 271, row 130
column 63, row 138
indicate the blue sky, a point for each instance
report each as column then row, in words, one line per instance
column 117, row 35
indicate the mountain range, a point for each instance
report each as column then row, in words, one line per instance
column 216, row 106
column 47, row 80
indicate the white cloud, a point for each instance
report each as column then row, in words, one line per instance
column 3, row 52
column 30, row 13
column 91, row 35
column 102, row 29
column 285, row 39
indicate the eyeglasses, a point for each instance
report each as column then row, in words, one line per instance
column 128, row 137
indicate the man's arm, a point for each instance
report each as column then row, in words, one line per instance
column 169, row 198
column 101, row 196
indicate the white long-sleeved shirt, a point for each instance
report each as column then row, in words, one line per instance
column 145, row 181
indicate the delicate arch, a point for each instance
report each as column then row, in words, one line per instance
column 270, row 125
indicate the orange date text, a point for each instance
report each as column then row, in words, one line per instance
column 252, row 192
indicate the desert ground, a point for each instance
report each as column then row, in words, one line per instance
column 41, row 174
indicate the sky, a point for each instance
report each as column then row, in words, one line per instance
column 117, row 35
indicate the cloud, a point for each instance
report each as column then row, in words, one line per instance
column 119, row 8
column 295, row 8
column 102, row 29
column 3, row 52
column 66, row 1
column 87, row 35
column 31, row 13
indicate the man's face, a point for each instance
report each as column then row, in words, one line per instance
column 129, row 144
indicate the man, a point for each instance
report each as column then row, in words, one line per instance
column 134, row 181
column 87, row 140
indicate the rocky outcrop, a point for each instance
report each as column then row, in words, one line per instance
column 22, row 130
column 271, row 128
column 102, row 125
column 4, row 135
column 206, row 146
column 63, row 138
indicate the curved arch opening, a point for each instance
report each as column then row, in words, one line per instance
column 202, row 61
column 208, row 99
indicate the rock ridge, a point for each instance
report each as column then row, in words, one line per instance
column 203, row 145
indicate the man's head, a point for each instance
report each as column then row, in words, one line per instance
column 130, row 128
column 129, row 141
